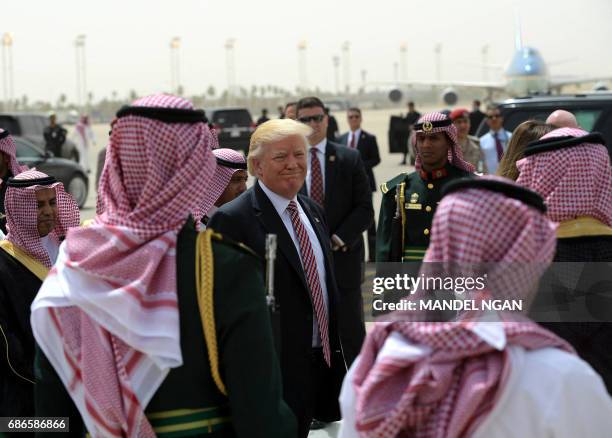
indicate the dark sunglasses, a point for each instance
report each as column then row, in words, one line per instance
column 317, row 118
column 493, row 117
column 354, row 116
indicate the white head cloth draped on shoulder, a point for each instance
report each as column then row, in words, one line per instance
column 108, row 311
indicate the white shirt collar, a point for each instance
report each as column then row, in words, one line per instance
column 279, row 202
column 356, row 133
column 320, row 146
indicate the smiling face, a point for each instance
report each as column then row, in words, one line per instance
column 433, row 150
column 47, row 211
column 282, row 166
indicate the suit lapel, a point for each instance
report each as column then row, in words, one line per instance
column 361, row 142
column 272, row 223
column 330, row 171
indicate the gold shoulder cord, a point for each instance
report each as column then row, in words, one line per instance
column 8, row 360
column 402, row 200
column 204, row 288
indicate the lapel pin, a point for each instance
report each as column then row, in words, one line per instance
column 332, row 158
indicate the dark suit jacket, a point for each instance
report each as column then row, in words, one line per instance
column 367, row 145
column 248, row 219
column 348, row 209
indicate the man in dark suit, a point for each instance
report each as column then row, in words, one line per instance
column 337, row 180
column 476, row 117
column 312, row 362
column 366, row 144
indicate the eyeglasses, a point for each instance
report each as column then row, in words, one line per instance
column 493, row 117
column 354, row 116
column 318, row 118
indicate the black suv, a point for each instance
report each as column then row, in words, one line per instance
column 32, row 126
column 593, row 112
column 68, row 172
column 234, row 127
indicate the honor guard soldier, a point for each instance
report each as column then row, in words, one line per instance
column 410, row 199
column 143, row 327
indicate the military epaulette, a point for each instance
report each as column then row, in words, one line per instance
column 218, row 237
column 392, row 183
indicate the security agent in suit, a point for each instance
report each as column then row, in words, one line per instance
column 312, row 363
column 346, row 198
column 366, row 144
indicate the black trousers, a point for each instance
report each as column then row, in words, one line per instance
column 351, row 322
column 319, row 398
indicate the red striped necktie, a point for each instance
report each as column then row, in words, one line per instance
column 316, row 179
column 312, row 277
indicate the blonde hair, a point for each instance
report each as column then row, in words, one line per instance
column 273, row 131
column 526, row 132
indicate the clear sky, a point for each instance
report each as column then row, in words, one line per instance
column 127, row 41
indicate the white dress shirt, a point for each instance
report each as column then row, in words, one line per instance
column 280, row 205
column 549, row 393
column 321, row 156
column 352, row 134
column 489, row 149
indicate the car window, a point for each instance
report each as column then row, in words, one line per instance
column 605, row 127
column 232, row 117
column 40, row 123
column 10, row 124
column 26, row 150
column 28, row 125
column 586, row 118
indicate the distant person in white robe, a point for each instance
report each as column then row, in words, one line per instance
column 84, row 139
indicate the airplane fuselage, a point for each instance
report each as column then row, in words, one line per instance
column 527, row 73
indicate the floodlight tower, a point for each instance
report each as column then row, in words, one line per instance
column 302, row 68
column 346, row 65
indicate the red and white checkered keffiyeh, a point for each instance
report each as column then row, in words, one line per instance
column 22, row 211
column 455, row 154
column 447, row 390
column 107, row 316
column 7, row 145
column 220, row 179
column 574, row 181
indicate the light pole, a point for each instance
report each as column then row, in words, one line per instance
column 485, row 58
column 438, row 52
column 336, row 61
column 303, row 69
column 81, row 79
column 7, row 64
column 175, row 78
column 346, row 53
column 230, row 63
column 403, row 63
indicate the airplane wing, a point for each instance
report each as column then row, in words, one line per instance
column 493, row 86
column 558, row 82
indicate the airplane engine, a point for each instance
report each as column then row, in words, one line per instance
column 450, row 96
column 601, row 86
column 395, row 95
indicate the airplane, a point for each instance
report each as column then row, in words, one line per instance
column 526, row 74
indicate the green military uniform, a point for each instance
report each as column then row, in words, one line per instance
column 420, row 193
column 190, row 401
